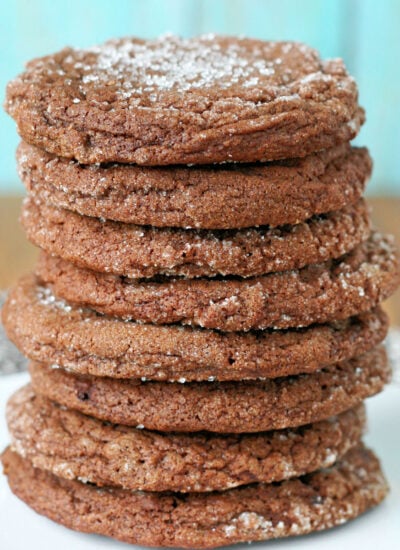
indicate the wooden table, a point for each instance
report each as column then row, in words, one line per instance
column 18, row 256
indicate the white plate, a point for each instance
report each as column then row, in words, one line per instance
column 379, row 529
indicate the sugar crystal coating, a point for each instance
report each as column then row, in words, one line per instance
column 256, row 512
column 319, row 293
column 56, row 439
column 182, row 101
column 173, row 63
column 79, row 340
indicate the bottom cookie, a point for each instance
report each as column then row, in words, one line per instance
column 257, row 512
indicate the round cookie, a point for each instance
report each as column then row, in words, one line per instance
column 137, row 251
column 223, row 407
column 205, row 520
column 74, row 446
column 177, row 101
column 50, row 331
column 319, row 293
column 211, row 197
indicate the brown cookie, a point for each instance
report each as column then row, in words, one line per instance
column 205, row 520
column 50, row 331
column 319, row 293
column 137, row 251
column 223, row 407
column 74, row 446
column 212, row 197
column 176, row 101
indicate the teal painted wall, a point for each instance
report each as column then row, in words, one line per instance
column 363, row 32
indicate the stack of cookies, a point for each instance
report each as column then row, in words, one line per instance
column 203, row 323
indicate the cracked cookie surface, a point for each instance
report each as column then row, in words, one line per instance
column 213, row 197
column 320, row 293
column 137, row 251
column 52, row 331
column 75, row 446
column 256, row 512
column 176, row 101
column 223, row 407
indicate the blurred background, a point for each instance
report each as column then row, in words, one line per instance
column 363, row 32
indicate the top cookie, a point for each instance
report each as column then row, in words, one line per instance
column 208, row 99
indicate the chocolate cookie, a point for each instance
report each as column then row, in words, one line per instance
column 255, row 512
column 212, row 197
column 136, row 251
column 223, row 407
column 49, row 330
column 176, row 101
column 319, row 293
column 74, row 446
